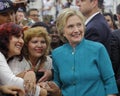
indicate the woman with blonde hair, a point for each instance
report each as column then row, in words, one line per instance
column 35, row 54
column 81, row 67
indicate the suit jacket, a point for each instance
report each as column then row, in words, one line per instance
column 115, row 55
column 115, row 52
column 98, row 30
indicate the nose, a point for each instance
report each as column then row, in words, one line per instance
column 76, row 29
column 39, row 44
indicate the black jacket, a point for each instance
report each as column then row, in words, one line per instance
column 98, row 30
column 115, row 52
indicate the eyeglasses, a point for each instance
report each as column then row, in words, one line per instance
column 35, row 15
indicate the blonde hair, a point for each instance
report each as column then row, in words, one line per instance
column 36, row 32
column 63, row 17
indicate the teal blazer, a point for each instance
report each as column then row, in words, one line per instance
column 85, row 70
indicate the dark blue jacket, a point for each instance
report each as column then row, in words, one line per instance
column 98, row 30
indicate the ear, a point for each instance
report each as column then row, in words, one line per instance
column 94, row 3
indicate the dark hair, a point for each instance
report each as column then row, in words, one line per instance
column 100, row 4
column 6, row 31
column 118, row 9
column 33, row 9
column 41, row 24
column 112, row 18
column 21, row 10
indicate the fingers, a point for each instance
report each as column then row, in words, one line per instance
column 14, row 88
column 17, row 90
column 51, row 87
column 52, row 84
column 12, row 92
column 47, row 75
column 43, row 78
column 30, row 87
column 41, row 70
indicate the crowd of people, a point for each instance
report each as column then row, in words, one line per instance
column 48, row 48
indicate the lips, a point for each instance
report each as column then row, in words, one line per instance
column 75, row 34
column 19, row 46
column 39, row 50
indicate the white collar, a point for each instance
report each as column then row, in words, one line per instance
column 86, row 22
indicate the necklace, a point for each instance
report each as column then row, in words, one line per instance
column 35, row 67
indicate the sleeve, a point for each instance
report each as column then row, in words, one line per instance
column 106, row 71
column 56, row 77
column 37, row 93
column 6, row 75
column 48, row 63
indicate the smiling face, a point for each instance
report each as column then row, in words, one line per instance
column 54, row 35
column 37, row 47
column 34, row 15
column 74, row 30
column 7, row 17
column 15, row 45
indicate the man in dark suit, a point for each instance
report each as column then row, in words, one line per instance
column 115, row 55
column 97, row 28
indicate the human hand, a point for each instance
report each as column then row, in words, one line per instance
column 13, row 90
column 43, row 86
column 53, row 89
column 47, row 75
column 21, row 74
column 30, row 82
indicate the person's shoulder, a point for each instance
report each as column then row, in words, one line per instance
column 98, row 19
column 93, row 44
column 2, row 56
column 49, row 58
column 116, row 33
column 59, row 49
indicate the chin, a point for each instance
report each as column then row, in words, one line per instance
column 18, row 53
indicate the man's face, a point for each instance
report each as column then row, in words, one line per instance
column 118, row 17
column 20, row 16
column 34, row 15
column 86, row 6
column 7, row 17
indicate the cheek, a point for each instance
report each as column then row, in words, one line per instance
column 30, row 47
column 65, row 33
column 45, row 46
column 2, row 20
